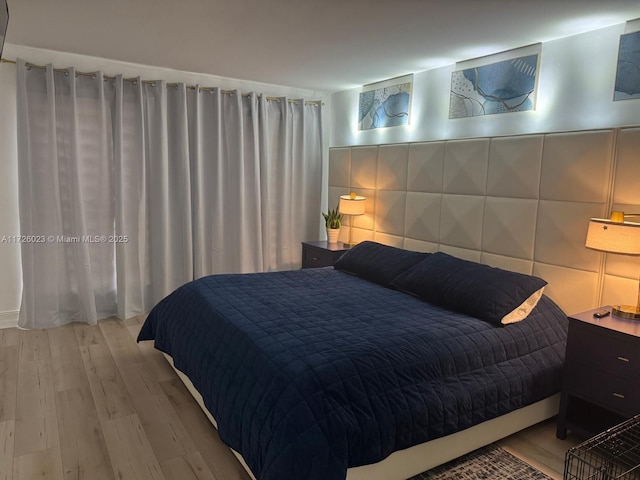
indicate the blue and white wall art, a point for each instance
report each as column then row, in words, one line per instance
column 385, row 104
column 628, row 73
column 497, row 87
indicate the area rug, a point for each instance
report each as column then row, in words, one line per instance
column 487, row 463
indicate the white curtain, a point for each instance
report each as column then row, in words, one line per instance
column 129, row 189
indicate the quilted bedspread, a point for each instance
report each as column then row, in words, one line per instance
column 312, row 371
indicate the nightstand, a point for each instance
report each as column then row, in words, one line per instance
column 321, row 254
column 601, row 378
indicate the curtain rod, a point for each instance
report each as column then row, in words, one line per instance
column 153, row 82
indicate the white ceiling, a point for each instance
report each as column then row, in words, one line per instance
column 327, row 45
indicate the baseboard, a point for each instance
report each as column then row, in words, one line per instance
column 9, row 319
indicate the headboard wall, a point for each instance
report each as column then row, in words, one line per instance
column 519, row 202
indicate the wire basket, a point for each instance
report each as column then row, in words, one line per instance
column 611, row 455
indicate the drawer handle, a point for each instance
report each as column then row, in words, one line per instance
column 315, row 258
column 623, row 359
column 618, row 395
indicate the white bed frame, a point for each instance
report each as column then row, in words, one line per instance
column 404, row 464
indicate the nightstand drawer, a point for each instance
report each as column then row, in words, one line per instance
column 611, row 352
column 314, row 257
column 618, row 394
column 321, row 254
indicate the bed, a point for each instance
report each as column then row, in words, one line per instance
column 319, row 373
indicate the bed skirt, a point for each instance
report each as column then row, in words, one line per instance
column 404, row 464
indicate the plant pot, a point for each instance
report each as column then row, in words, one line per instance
column 332, row 235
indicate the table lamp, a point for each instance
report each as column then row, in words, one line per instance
column 352, row 204
column 615, row 235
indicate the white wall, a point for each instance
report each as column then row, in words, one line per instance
column 575, row 92
column 11, row 276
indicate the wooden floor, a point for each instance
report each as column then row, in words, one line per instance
column 84, row 402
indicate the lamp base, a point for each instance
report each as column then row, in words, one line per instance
column 626, row 311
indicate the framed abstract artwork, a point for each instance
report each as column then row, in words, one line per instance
column 385, row 104
column 628, row 71
column 501, row 83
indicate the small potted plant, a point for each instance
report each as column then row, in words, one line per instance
column 332, row 221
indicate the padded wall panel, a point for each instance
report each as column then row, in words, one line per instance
column 359, row 235
column 626, row 266
column 570, row 176
column 576, row 166
column 339, row 167
column 573, row 290
column 392, row 167
column 622, row 265
column 461, row 221
column 334, row 196
column 466, row 254
column 426, row 167
column 419, row 245
column 364, row 167
column 393, row 240
column 422, row 218
column 365, row 221
column 343, row 236
column 507, row 263
column 627, row 178
column 561, row 232
column 619, row 291
column 390, row 212
column 514, row 166
column 509, row 226
column 465, row 166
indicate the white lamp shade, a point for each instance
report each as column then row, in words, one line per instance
column 613, row 237
column 351, row 206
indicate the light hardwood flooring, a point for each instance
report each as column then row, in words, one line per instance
column 83, row 402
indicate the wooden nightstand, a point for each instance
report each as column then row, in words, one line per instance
column 601, row 379
column 321, row 254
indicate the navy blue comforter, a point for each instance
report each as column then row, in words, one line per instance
column 312, row 371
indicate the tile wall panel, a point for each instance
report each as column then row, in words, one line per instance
column 520, row 203
column 359, row 235
column 573, row 290
column 422, row 217
column 561, row 232
column 392, row 167
column 623, row 271
column 334, row 196
column 339, row 167
column 419, row 245
column 464, row 253
column 619, row 290
column 514, row 166
column 627, row 177
column 426, row 167
column 393, row 240
column 622, row 265
column 576, row 166
column 507, row 263
column 364, row 167
column 461, row 221
column 510, row 226
column 465, row 166
column 365, row 221
column 390, row 212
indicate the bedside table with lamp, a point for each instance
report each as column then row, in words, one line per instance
column 325, row 253
column 601, row 386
